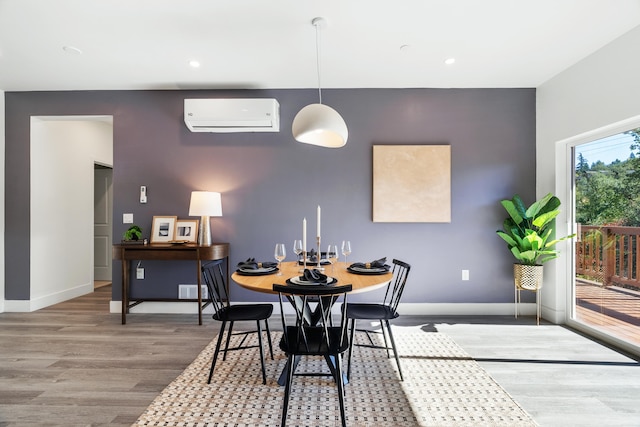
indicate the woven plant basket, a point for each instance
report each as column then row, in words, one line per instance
column 527, row 277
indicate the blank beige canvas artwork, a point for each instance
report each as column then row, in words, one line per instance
column 411, row 183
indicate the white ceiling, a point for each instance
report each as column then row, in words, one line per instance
column 246, row 44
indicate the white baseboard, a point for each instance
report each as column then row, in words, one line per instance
column 422, row 309
column 27, row 306
column 155, row 307
column 554, row 316
column 177, row 307
column 466, row 309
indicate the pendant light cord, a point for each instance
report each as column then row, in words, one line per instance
column 317, row 25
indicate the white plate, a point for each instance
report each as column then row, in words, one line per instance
column 369, row 270
column 296, row 280
column 257, row 270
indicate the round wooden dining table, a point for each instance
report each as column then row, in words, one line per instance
column 359, row 282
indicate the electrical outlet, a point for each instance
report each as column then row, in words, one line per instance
column 139, row 273
column 465, row 274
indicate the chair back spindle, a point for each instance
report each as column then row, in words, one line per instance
column 216, row 286
column 394, row 291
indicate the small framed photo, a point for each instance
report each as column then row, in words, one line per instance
column 187, row 230
column 163, row 229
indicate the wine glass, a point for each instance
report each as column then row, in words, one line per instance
column 297, row 248
column 332, row 256
column 280, row 253
column 346, row 249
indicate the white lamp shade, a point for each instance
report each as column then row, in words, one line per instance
column 319, row 124
column 205, row 203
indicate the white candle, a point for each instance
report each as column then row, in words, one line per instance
column 318, row 234
column 304, row 234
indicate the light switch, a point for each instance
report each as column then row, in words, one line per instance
column 127, row 218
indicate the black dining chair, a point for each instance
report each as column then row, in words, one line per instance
column 229, row 314
column 383, row 311
column 325, row 335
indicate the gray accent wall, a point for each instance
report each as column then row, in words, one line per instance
column 269, row 182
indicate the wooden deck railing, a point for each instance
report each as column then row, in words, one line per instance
column 609, row 255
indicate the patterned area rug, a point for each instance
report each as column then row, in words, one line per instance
column 443, row 386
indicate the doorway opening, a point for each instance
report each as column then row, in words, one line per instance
column 102, row 225
column 64, row 152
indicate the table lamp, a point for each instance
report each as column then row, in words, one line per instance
column 205, row 204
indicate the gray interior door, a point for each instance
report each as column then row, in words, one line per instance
column 103, row 219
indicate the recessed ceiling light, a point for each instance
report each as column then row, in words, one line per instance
column 193, row 63
column 404, row 48
column 72, row 50
column 450, row 61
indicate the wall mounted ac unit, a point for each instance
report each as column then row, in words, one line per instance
column 232, row 115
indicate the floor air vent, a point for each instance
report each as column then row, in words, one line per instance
column 191, row 292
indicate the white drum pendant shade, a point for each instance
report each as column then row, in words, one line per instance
column 319, row 124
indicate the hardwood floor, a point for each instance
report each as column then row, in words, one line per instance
column 100, row 283
column 75, row 364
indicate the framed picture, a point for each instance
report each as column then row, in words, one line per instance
column 187, row 230
column 163, row 229
column 411, row 183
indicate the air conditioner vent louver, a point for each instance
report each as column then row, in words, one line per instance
column 232, row 115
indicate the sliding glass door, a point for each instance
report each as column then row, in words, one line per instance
column 606, row 201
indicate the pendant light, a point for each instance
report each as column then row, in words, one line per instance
column 319, row 124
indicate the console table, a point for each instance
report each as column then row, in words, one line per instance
column 166, row 252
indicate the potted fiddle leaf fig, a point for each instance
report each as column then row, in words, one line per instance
column 529, row 233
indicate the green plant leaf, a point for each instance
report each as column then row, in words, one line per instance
column 507, row 238
column 552, row 205
column 512, row 210
column 536, row 207
column 519, row 205
column 543, row 220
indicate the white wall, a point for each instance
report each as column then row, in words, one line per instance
column 63, row 153
column 590, row 99
column 2, row 150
